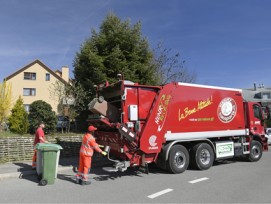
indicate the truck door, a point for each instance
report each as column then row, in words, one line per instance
column 257, row 122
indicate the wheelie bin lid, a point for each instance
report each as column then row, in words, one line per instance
column 48, row 147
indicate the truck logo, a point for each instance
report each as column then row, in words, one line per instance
column 152, row 140
column 162, row 111
column 190, row 111
column 226, row 110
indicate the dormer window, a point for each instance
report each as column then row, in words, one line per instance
column 29, row 76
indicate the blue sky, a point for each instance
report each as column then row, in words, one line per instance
column 225, row 42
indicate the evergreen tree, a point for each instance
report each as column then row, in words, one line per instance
column 42, row 111
column 19, row 118
column 118, row 48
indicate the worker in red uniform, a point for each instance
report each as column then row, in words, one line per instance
column 86, row 152
column 39, row 138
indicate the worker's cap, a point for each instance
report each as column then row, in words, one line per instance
column 91, row 128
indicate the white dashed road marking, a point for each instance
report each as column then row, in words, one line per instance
column 198, row 180
column 160, row 193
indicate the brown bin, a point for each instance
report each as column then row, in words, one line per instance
column 105, row 109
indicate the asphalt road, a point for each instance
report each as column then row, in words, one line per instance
column 225, row 182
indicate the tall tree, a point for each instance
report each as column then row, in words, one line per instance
column 5, row 102
column 19, row 118
column 118, row 48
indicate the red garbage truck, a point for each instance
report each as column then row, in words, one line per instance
column 176, row 125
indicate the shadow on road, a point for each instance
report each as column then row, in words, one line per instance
column 98, row 174
column 23, row 167
column 66, row 177
column 30, row 177
column 101, row 175
column 26, row 172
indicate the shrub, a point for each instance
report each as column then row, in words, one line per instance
column 42, row 111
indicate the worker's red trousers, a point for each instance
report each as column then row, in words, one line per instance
column 84, row 166
column 34, row 159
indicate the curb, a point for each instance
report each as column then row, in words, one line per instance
column 27, row 173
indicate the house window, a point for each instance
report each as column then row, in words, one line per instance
column 26, row 107
column 29, row 92
column 29, row 76
column 47, row 77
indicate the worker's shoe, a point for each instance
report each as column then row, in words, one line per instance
column 78, row 180
column 85, row 183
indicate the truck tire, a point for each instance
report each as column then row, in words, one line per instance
column 202, row 156
column 256, row 151
column 178, row 159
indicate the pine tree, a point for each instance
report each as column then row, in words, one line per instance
column 19, row 118
column 118, row 48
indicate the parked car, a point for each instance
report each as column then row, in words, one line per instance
column 268, row 135
column 62, row 122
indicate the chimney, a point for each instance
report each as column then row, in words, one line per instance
column 65, row 73
column 255, row 86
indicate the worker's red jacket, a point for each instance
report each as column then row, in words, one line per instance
column 88, row 144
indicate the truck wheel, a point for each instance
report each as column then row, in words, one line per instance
column 178, row 159
column 256, row 151
column 202, row 156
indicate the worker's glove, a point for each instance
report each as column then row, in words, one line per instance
column 104, row 153
column 101, row 146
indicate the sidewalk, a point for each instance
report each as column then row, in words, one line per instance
column 19, row 168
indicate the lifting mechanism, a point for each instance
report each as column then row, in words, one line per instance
column 118, row 165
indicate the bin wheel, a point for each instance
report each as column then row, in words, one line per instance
column 43, row 182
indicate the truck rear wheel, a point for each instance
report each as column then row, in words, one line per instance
column 178, row 159
column 256, row 151
column 202, row 156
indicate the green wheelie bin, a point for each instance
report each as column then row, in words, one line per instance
column 47, row 162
